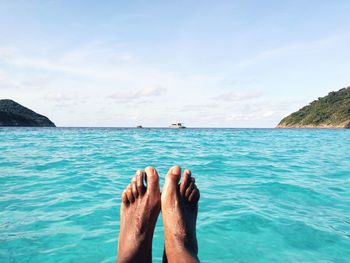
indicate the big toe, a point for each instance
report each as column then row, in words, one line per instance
column 152, row 179
column 173, row 177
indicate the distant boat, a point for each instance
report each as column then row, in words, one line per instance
column 177, row 126
column 139, row 127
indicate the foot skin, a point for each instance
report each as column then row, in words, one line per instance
column 179, row 211
column 138, row 215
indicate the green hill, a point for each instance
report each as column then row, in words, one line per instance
column 14, row 114
column 331, row 111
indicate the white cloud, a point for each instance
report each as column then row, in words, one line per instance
column 6, row 51
column 151, row 92
column 60, row 97
column 199, row 107
column 6, row 81
column 75, row 86
column 138, row 94
column 238, row 96
column 90, row 61
column 293, row 49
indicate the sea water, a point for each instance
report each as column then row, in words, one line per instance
column 267, row 195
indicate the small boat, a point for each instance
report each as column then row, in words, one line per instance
column 177, row 126
column 139, row 127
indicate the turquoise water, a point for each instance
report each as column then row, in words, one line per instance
column 267, row 195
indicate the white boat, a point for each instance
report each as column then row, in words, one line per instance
column 177, row 126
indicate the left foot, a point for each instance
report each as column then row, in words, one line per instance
column 138, row 216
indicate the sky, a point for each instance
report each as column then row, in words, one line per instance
column 203, row 63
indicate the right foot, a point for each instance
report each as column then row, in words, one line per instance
column 138, row 215
column 179, row 211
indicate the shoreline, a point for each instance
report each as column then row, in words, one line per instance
column 341, row 126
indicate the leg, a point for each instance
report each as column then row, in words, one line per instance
column 138, row 215
column 179, row 211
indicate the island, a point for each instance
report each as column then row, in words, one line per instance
column 331, row 111
column 14, row 114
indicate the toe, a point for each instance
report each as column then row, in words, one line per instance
column 139, row 182
column 129, row 194
column 134, row 188
column 125, row 198
column 185, row 182
column 189, row 188
column 173, row 175
column 194, row 196
column 152, row 178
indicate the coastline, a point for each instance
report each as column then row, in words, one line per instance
column 311, row 126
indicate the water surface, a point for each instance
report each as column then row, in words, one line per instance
column 267, row 195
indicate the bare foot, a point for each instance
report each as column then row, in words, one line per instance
column 138, row 215
column 179, row 212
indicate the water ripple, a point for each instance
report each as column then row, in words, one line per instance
column 266, row 195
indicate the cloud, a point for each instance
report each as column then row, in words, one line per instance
column 258, row 114
column 262, row 111
column 234, row 96
column 59, row 96
column 93, row 61
column 293, row 49
column 6, row 82
column 6, row 52
column 199, row 107
column 137, row 95
column 151, row 92
column 65, row 99
column 92, row 77
column 37, row 82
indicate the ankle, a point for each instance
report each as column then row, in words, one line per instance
column 134, row 256
column 181, row 255
column 182, row 251
column 132, row 251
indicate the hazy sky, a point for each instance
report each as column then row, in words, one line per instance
column 204, row 63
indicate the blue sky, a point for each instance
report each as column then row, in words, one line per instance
column 204, row 63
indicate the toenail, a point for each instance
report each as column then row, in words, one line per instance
column 151, row 169
column 175, row 170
